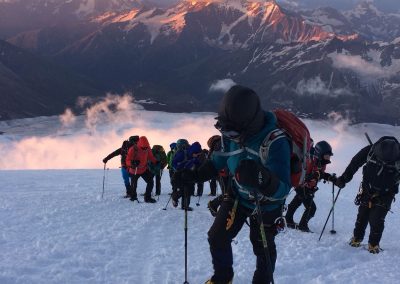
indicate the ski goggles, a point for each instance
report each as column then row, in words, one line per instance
column 226, row 130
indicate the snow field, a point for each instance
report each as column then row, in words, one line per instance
column 55, row 228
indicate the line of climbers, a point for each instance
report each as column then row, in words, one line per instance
column 259, row 156
column 139, row 160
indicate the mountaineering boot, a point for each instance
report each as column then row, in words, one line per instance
column 133, row 196
column 149, row 199
column 374, row 249
column 289, row 215
column 209, row 281
column 354, row 242
column 188, row 209
column 212, row 208
column 174, row 198
column 303, row 226
column 128, row 191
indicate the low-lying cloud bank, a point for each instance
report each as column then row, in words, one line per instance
column 77, row 142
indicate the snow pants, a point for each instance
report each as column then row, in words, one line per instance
column 306, row 197
column 185, row 192
column 158, row 184
column 372, row 212
column 222, row 232
column 213, row 186
column 171, row 177
column 148, row 178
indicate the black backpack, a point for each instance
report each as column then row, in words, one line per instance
column 382, row 169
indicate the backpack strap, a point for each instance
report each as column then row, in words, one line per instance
column 372, row 159
column 263, row 152
column 251, row 196
column 271, row 137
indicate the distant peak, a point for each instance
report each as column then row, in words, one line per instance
column 367, row 6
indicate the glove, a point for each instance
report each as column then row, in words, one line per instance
column 252, row 174
column 135, row 163
column 316, row 175
column 105, row 160
column 339, row 182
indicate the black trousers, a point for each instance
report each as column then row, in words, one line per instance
column 373, row 212
column 171, row 177
column 148, row 178
column 220, row 238
column 306, row 197
column 184, row 191
column 200, row 188
column 158, row 184
column 213, row 186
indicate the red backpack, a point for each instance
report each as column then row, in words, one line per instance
column 300, row 143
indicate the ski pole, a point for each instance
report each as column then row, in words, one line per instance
column 186, row 230
column 327, row 219
column 104, row 178
column 333, row 231
column 165, row 208
column 369, row 139
column 264, row 239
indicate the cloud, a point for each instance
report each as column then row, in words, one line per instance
column 76, row 142
column 315, row 86
column 222, row 85
column 368, row 69
column 48, row 143
column 67, row 118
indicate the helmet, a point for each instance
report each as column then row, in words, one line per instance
column 182, row 144
column 172, row 145
column 321, row 149
column 387, row 149
column 133, row 139
column 240, row 111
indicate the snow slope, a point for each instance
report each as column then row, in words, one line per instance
column 55, row 228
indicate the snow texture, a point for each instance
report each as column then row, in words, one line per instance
column 56, row 228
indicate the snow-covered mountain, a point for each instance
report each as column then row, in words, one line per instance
column 296, row 59
column 374, row 24
column 20, row 16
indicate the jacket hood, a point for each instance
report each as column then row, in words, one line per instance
column 143, row 142
column 195, row 148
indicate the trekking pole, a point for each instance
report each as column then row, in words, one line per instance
column 264, row 239
column 369, row 139
column 333, row 231
column 186, row 230
column 104, row 179
column 327, row 219
column 165, row 208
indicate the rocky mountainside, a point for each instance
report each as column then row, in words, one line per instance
column 32, row 86
column 312, row 62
